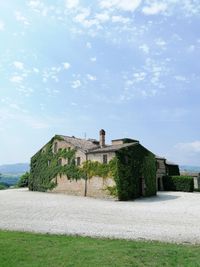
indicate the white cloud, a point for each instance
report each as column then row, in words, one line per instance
column 66, row 65
column 72, row 3
column 190, row 147
column 191, row 7
column 191, row 48
column 91, row 77
column 139, row 76
column 93, row 59
column 154, row 8
column 76, row 84
column 102, row 17
column 126, row 5
column 88, row 45
column 160, row 42
column 180, row 78
column 144, row 48
column 19, row 17
column 51, row 73
column 36, row 70
column 83, row 18
column 34, row 4
column 16, row 79
column 40, row 7
column 2, row 26
column 120, row 19
column 18, row 65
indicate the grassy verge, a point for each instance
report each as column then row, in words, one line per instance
column 35, row 250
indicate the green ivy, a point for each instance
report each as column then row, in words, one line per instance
column 133, row 163
column 23, row 180
column 45, row 167
column 178, row 183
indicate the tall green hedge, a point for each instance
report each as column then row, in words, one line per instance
column 133, row 164
column 178, row 183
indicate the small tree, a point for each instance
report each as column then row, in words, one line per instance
column 23, row 180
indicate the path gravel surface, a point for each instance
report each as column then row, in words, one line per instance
column 170, row 216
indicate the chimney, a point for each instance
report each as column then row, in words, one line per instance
column 102, row 134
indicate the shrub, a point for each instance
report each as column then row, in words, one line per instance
column 23, row 180
column 3, row 186
column 178, row 183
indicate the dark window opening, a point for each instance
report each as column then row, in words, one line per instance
column 157, row 165
column 78, row 161
column 60, row 162
column 105, row 159
column 55, row 147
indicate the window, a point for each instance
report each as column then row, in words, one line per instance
column 55, row 147
column 105, row 159
column 157, row 165
column 78, row 161
column 60, row 162
column 49, row 162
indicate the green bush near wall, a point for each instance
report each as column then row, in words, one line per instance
column 133, row 164
column 23, row 180
column 178, row 183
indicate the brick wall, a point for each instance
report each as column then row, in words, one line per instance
column 95, row 186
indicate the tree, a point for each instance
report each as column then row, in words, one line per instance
column 23, row 180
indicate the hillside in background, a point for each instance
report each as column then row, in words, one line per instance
column 10, row 173
column 186, row 168
column 18, row 168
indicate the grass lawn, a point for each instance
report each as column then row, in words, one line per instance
column 26, row 249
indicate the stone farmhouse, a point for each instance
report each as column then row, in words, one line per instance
column 164, row 167
column 93, row 150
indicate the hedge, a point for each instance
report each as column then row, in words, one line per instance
column 178, row 183
column 133, row 163
column 23, row 180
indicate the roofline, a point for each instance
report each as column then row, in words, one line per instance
column 111, row 150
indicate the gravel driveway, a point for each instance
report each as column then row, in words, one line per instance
column 170, row 217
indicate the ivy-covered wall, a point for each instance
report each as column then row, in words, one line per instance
column 45, row 166
column 136, row 173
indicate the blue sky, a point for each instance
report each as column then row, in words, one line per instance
column 73, row 67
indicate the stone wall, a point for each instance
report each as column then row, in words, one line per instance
column 99, row 156
column 64, row 144
column 161, row 171
column 96, row 186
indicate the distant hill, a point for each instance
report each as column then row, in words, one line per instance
column 186, row 168
column 9, row 179
column 14, row 168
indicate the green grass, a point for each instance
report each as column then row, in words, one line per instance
column 35, row 250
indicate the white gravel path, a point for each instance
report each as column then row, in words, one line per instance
column 170, row 217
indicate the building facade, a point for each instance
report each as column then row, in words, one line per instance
column 96, row 151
